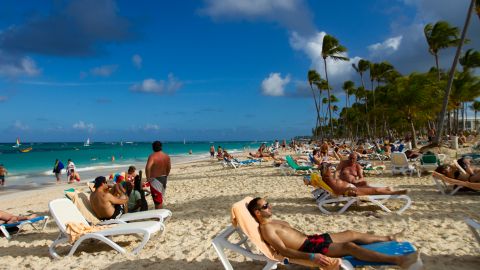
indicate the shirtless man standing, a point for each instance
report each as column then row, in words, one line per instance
column 351, row 172
column 105, row 204
column 157, row 169
column 294, row 244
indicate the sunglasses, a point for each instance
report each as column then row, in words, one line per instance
column 264, row 207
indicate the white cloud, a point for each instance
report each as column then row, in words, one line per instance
column 137, row 61
column 387, row 47
column 18, row 125
column 274, row 85
column 12, row 66
column 158, row 87
column 104, row 71
column 80, row 125
column 151, row 127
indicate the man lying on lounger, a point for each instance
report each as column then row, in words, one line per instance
column 10, row 218
column 294, row 244
column 105, row 204
column 342, row 187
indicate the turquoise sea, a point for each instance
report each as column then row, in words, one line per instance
column 37, row 164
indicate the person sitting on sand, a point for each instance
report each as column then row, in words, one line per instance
column 11, row 218
column 73, row 176
column 348, row 189
column 227, row 155
column 131, row 174
column 350, row 171
column 219, row 153
column 293, row 244
column 136, row 196
column 104, row 204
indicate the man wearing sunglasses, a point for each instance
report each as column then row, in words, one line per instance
column 294, row 244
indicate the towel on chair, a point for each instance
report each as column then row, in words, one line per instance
column 76, row 230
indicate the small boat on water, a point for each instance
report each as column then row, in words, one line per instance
column 87, row 143
column 17, row 144
column 28, row 149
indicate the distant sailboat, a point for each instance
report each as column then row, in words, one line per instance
column 184, row 141
column 17, row 144
column 26, row 150
column 87, row 143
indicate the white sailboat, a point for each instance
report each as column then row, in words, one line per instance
column 184, row 142
column 87, row 143
column 17, row 144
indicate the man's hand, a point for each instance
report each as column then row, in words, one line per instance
column 321, row 260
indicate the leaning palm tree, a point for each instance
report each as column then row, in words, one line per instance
column 440, row 36
column 313, row 77
column 331, row 48
column 441, row 116
column 471, row 59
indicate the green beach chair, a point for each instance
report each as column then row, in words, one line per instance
column 292, row 167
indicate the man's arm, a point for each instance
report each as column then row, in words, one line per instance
column 115, row 200
column 360, row 172
column 148, row 167
column 271, row 237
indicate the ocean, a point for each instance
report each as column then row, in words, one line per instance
column 36, row 165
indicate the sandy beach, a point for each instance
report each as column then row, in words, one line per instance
column 200, row 194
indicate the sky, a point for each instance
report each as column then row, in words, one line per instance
column 196, row 70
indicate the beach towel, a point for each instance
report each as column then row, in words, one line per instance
column 76, row 230
column 82, row 202
column 241, row 217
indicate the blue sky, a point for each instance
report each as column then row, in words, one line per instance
column 199, row 70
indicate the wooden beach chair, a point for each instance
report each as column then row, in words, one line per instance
column 18, row 226
column 444, row 184
column 64, row 212
column 325, row 196
column 247, row 230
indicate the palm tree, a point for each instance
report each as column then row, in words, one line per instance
column 475, row 107
column 477, row 8
column 471, row 59
column 331, row 48
column 313, row 76
column 441, row 116
column 440, row 36
column 348, row 87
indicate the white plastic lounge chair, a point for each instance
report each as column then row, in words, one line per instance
column 444, row 183
column 235, row 163
column 247, row 229
column 475, row 227
column 325, row 196
column 400, row 164
column 64, row 211
column 82, row 202
column 19, row 225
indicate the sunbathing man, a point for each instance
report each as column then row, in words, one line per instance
column 104, row 204
column 294, row 244
column 351, row 172
column 348, row 189
column 10, row 218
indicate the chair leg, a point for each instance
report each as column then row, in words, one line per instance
column 5, row 232
column 60, row 240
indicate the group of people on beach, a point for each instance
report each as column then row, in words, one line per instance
column 72, row 174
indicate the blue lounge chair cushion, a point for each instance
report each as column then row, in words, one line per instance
column 388, row 248
column 23, row 221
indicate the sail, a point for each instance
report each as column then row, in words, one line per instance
column 17, row 144
column 87, row 143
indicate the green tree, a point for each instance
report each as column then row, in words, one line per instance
column 471, row 59
column 440, row 36
column 348, row 87
column 475, row 107
column 313, row 77
column 331, row 48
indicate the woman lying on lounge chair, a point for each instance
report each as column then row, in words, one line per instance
column 341, row 187
column 10, row 218
column 452, row 171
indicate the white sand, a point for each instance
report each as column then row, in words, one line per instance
column 200, row 195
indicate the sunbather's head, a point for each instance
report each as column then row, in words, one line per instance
column 99, row 181
column 259, row 208
column 443, row 169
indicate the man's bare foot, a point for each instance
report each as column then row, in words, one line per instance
column 396, row 236
column 408, row 260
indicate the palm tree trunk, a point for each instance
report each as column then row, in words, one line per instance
column 438, row 68
column 316, row 107
column 414, row 137
column 329, row 105
column 475, row 123
column 441, row 116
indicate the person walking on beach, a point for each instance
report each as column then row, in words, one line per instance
column 57, row 169
column 3, row 173
column 157, row 170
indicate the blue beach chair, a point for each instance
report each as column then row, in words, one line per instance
column 5, row 228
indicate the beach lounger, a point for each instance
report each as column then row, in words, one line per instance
column 292, row 167
column 325, row 196
column 235, row 163
column 64, row 211
column 400, row 165
column 429, row 162
column 444, row 184
column 5, row 228
column 245, row 226
column 82, row 202
column 474, row 227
